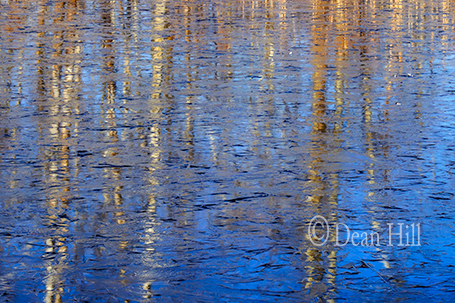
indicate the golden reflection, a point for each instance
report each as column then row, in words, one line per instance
column 60, row 97
column 16, row 16
column 342, row 32
column 322, row 196
column 343, row 47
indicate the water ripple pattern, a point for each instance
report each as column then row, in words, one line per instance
column 180, row 151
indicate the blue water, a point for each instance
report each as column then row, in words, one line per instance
column 177, row 151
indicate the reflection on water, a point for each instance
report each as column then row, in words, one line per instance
column 178, row 150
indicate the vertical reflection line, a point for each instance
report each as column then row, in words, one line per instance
column 156, row 101
column 324, row 184
column 109, row 85
column 191, row 76
column 20, row 69
column 65, row 86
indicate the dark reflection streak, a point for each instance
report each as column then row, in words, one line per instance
column 14, row 21
column 192, row 75
column 109, row 86
column 5, row 83
column 113, row 192
column 130, row 22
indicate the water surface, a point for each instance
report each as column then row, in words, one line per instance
column 177, row 151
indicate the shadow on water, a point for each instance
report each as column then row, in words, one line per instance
column 180, row 151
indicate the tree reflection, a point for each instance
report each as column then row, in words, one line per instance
column 165, row 140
